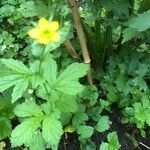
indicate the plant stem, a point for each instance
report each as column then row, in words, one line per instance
column 71, row 50
column 81, row 35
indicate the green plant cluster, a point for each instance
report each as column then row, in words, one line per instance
column 44, row 93
column 126, row 84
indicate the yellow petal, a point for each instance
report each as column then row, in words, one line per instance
column 55, row 37
column 43, row 23
column 34, row 33
column 54, row 25
column 44, row 41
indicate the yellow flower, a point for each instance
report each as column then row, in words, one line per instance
column 45, row 32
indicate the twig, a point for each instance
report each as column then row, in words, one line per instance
column 81, row 35
column 71, row 50
column 144, row 145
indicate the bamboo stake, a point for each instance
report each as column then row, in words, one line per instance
column 81, row 35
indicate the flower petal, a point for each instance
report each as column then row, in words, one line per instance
column 55, row 37
column 43, row 23
column 44, row 41
column 34, row 33
column 54, row 25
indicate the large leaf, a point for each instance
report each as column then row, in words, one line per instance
column 28, row 109
column 69, row 87
column 73, row 72
column 129, row 33
column 103, row 124
column 37, row 143
column 49, row 67
column 8, row 81
column 85, row 131
column 19, row 89
column 5, row 127
column 16, row 66
column 67, row 103
column 141, row 22
column 67, row 82
column 24, row 132
column 52, row 130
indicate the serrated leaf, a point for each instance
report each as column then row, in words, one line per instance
column 129, row 33
column 37, row 142
column 19, row 89
column 141, row 22
column 74, row 72
column 79, row 118
column 69, row 87
column 67, row 103
column 49, row 67
column 142, row 70
column 119, row 7
column 8, row 81
column 104, row 146
column 16, row 66
column 85, row 131
column 28, row 109
column 52, row 130
column 103, row 124
column 5, row 128
column 24, row 132
column 113, row 140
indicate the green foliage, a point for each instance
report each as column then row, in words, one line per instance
column 113, row 142
column 128, row 87
column 85, row 131
column 103, row 124
column 6, row 114
column 43, row 90
column 140, row 23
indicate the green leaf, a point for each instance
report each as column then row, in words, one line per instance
column 19, row 89
column 50, row 70
column 69, row 87
column 141, row 22
column 5, row 127
column 85, row 131
column 16, row 66
column 37, row 142
column 36, row 79
column 67, row 103
column 74, row 72
column 8, row 81
column 79, row 118
column 104, row 146
column 129, row 33
column 52, row 130
column 28, row 109
column 24, row 132
column 119, row 7
column 113, row 142
column 103, row 124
